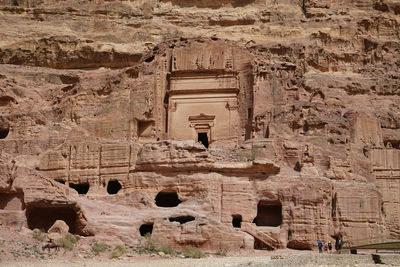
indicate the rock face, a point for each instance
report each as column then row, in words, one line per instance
column 193, row 120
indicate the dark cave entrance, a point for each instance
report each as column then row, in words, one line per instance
column 43, row 217
column 268, row 214
column 4, row 130
column 82, row 189
column 203, row 138
column 237, row 221
column 146, row 229
column 167, row 199
column 182, row 219
column 113, row 187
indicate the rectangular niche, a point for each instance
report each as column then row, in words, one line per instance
column 145, row 128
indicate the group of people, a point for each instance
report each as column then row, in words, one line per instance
column 328, row 245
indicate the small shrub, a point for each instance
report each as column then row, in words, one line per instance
column 39, row 235
column 148, row 244
column 118, row 251
column 72, row 238
column 167, row 250
column 191, row 252
column 99, row 247
column 66, row 243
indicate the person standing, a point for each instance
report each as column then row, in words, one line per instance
column 330, row 246
column 319, row 246
column 326, row 247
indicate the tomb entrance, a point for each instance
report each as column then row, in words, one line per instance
column 167, row 199
column 44, row 216
column 207, row 93
column 82, row 189
column 113, row 187
column 146, row 228
column 237, row 221
column 201, row 107
column 269, row 213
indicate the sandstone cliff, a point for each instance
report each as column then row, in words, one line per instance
column 189, row 119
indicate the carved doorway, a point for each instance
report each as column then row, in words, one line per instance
column 202, row 138
column 202, row 125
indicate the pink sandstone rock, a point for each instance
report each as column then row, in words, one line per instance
column 218, row 124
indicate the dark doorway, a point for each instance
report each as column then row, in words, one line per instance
column 237, row 221
column 167, row 199
column 3, row 131
column 113, row 187
column 146, row 229
column 82, row 189
column 182, row 219
column 297, row 167
column 203, row 138
column 43, row 217
column 268, row 214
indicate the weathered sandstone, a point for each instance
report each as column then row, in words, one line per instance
column 193, row 120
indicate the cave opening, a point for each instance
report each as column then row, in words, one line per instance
column 237, row 221
column 4, row 130
column 43, row 217
column 269, row 213
column 113, row 187
column 167, row 199
column 203, row 138
column 146, row 228
column 182, row 219
column 82, row 189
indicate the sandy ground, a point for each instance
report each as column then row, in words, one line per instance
column 175, row 262
column 19, row 248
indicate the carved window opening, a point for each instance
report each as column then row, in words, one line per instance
column 202, row 138
column 167, row 199
column 146, row 229
column 113, row 187
column 60, row 181
column 43, row 217
column 237, row 221
column 268, row 214
column 13, row 201
column 82, row 189
column 182, row 219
